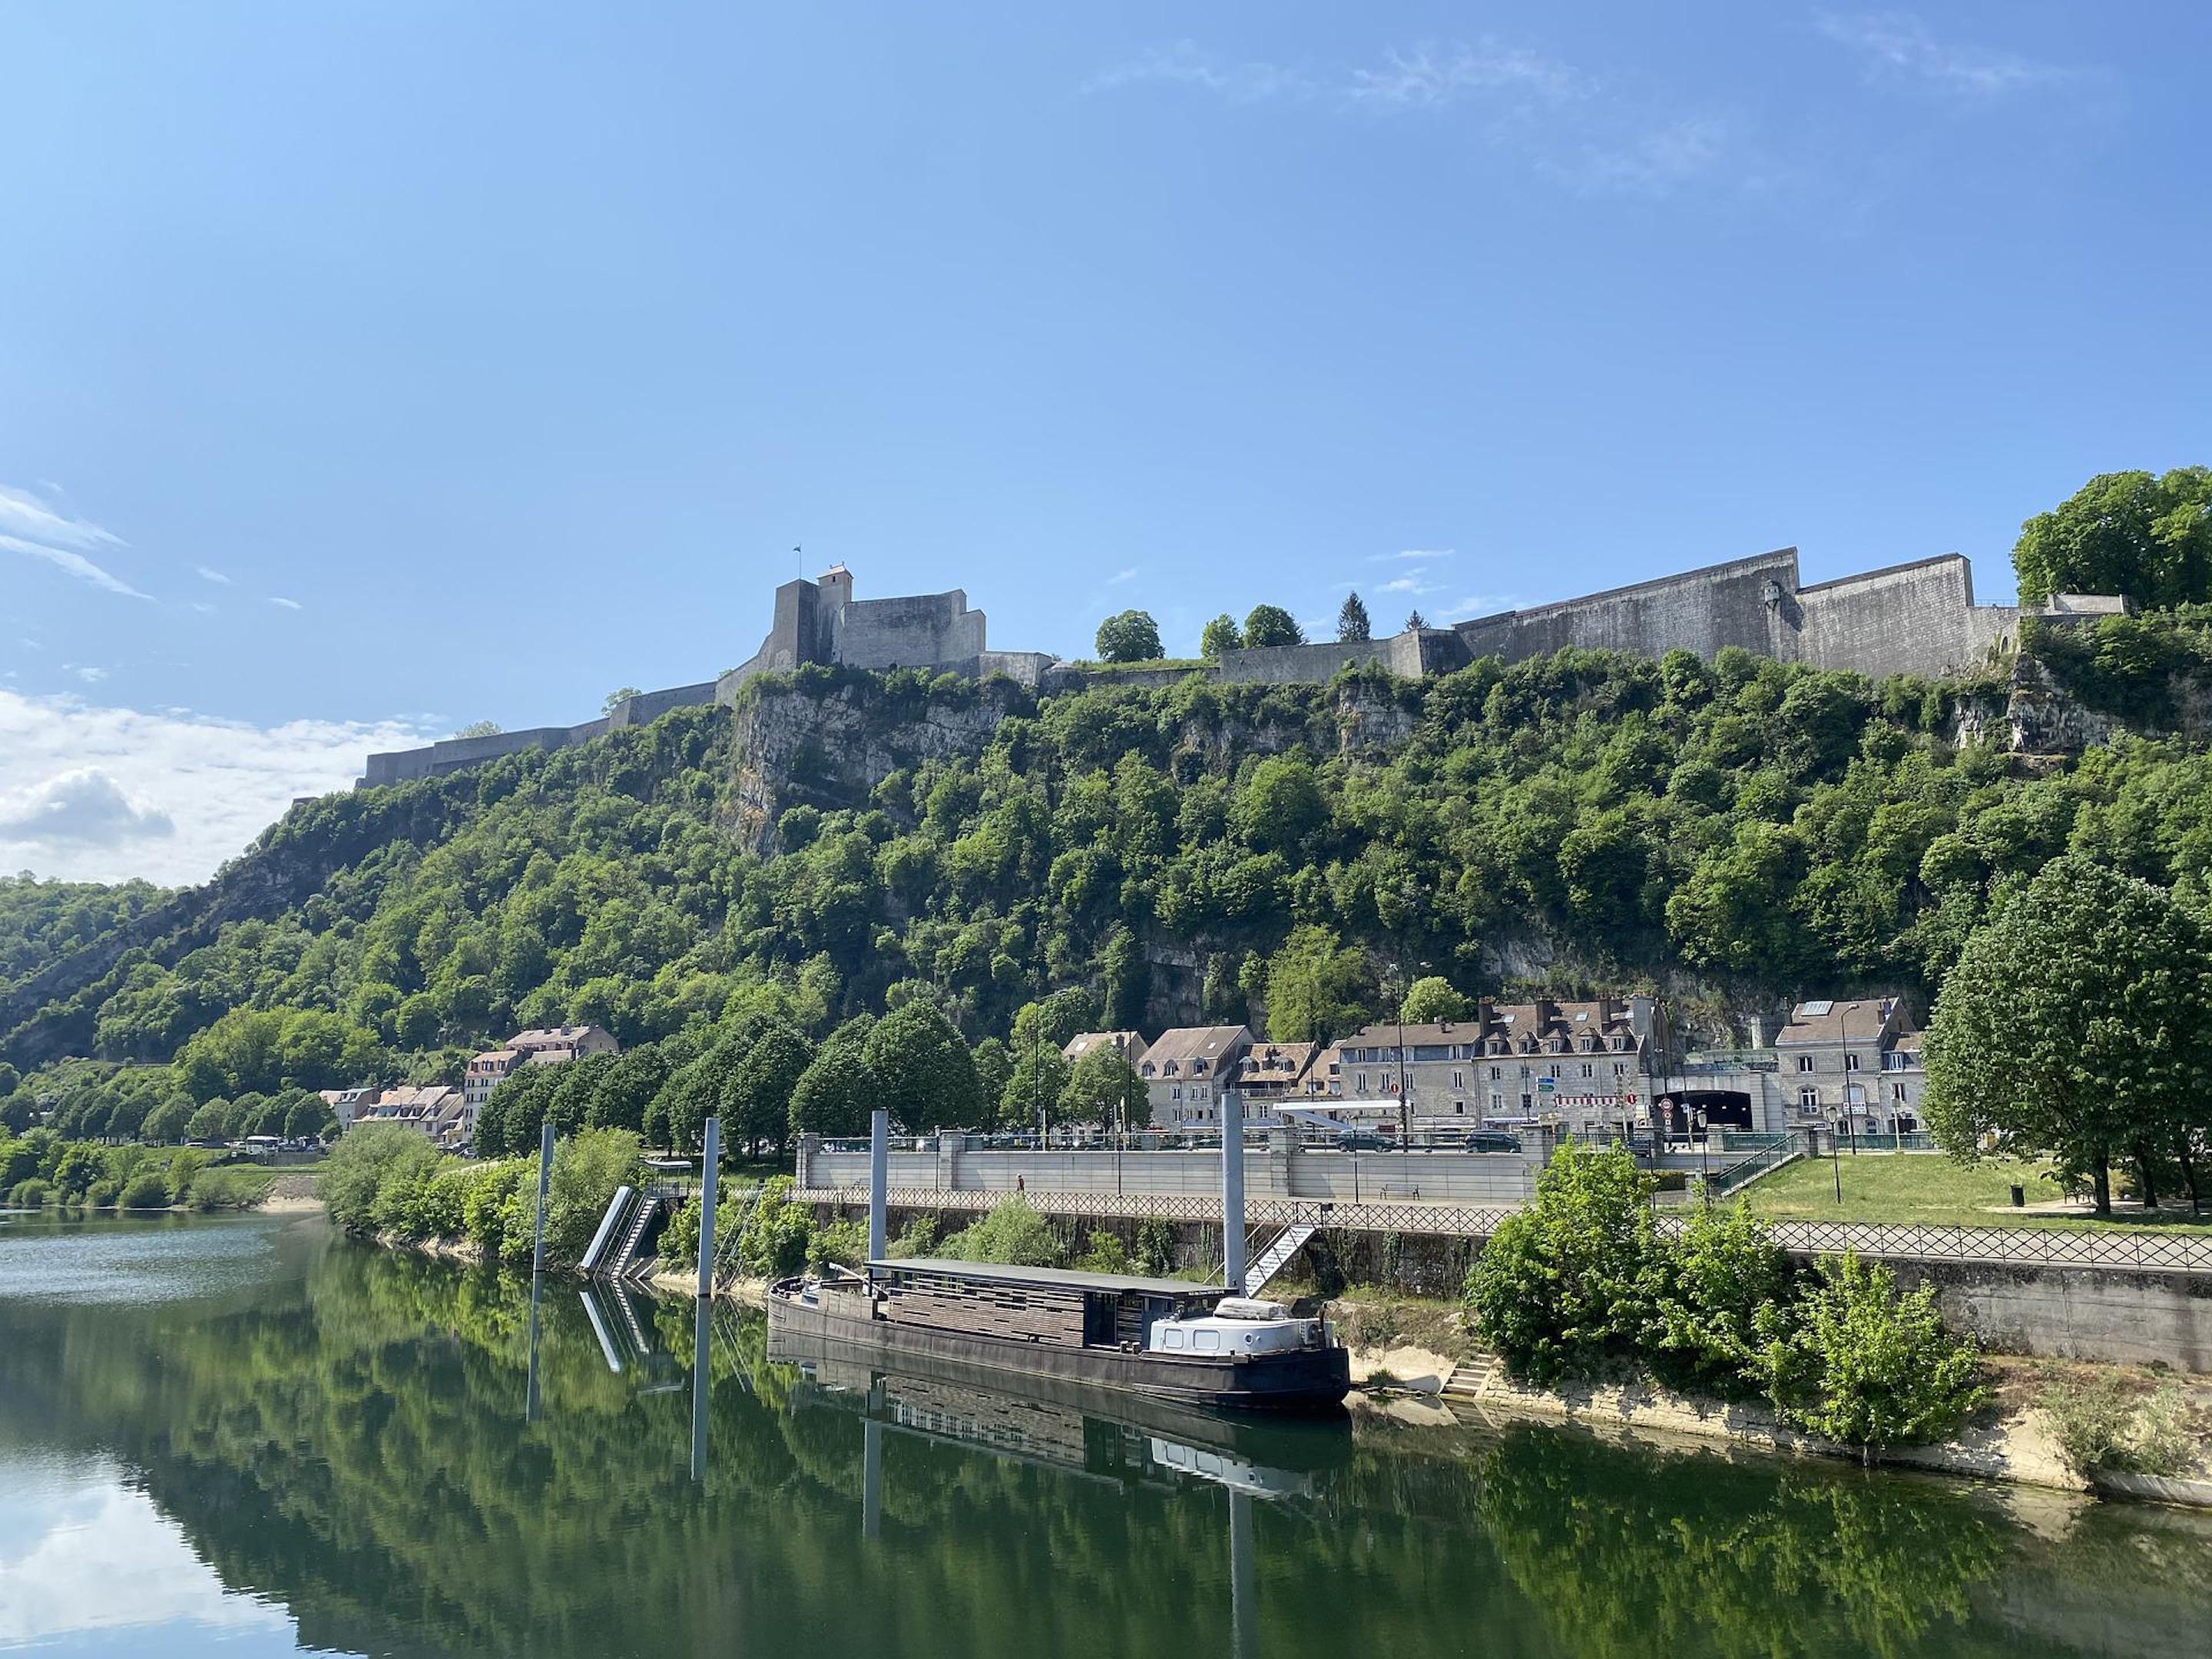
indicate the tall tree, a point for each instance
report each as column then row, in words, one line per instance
column 1270, row 624
column 1220, row 635
column 1318, row 987
column 1104, row 1088
column 1129, row 636
column 1415, row 621
column 1433, row 999
column 1351, row 619
column 836, row 1092
column 766, row 1082
column 2077, row 1023
column 927, row 1075
column 615, row 698
column 2146, row 536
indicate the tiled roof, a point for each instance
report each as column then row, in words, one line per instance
column 1188, row 1042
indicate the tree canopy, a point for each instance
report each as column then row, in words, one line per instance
column 1129, row 636
column 1270, row 624
column 1220, row 635
column 1351, row 622
column 2145, row 535
column 2077, row 1022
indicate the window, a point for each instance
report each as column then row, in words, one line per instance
column 1804, row 1062
column 1496, row 1101
column 1588, row 1070
column 1850, row 1062
column 1360, row 1083
column 1527, row 1103
column 1176, row 1094
column 1458, row 1107
column 1621, row 1068
column 1206, row 1341
column 1808, row 1099
column 1496, row 1072
column 1897, row 1093
column 1459, row 1079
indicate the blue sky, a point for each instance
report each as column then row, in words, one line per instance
column 368, row 369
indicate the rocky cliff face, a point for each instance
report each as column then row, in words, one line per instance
column 2032, row 717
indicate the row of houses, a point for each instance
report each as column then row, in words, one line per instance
column 1850, row 1065
column 449, row 1115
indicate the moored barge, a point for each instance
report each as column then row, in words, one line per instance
column 1163, row 1337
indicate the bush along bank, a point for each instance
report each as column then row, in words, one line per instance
column 41, row 1170
column 1583, row 1288
column 387, row 1180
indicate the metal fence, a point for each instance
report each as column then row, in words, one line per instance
column 2188, row 1251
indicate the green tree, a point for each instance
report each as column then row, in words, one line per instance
column 1129, row 636
column 1856, row 1362
column 1281, row 803
column 1318, row 987
column 1013, row 1232
column 1351, row 622
column 2076, row 1023
column 1432, row 999
column 1415, row 621
column 1104, row 1088
column 765, row 1082
column 926, row 1073
column 1218, row 636
column 210, row 1122
column 1717, row 1280
column 1565, row 1288
column 1037, row 1082
column 479, row 729
column 1270, row 624
column 170, row 1121
column 615, row 698
column 836, row 1093
column 2144, row 535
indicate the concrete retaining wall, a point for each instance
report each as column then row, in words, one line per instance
column 1916, row 619
column 2077, row 1313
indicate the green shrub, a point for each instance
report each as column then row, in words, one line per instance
column 1564, row 1288
column 845, row 1243
column 147, row 1191
column 1155, row 1248
column 30, row 1195
column 490, row 1194
column 1103, row 1254
column 918, row 1238
column 357, row 1166
column 1854, row 1361
column 2103, row 1424
column 776, row 1233
column 588, row 1167
column 103, row 1192
column 237, row 1187
column 403, row 1191
column 1013, row 1233
column 185, row 1165
column 1715, row 1279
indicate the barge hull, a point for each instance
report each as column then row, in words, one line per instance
column 1310, row 1379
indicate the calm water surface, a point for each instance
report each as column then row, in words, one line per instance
column 246, row 1437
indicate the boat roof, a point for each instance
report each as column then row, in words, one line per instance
column 1003, row 1272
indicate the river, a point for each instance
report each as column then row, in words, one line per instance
column 247, row 1436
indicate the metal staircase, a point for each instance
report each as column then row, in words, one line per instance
column 1277, row 1256
column 624, row 1258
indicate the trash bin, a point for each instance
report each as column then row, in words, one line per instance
column 2019, row 1197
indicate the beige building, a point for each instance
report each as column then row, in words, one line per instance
column 1855, row 1063
column 1588, row 1062
column 438, row 1110
column 547, row 1045
column 1131, row 1045
column 1186, row 1069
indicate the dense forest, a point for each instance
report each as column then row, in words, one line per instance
column 1735, row 832
column 844, row 846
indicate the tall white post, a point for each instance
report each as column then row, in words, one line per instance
column 879, row 1164
column 544, row 1185
column 1232, row 1191
column 710, row 1173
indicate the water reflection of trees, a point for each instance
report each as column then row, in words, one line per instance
column 357, row 1445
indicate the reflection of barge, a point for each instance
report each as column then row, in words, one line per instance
column 1081, row 1425
column 1166, row 1338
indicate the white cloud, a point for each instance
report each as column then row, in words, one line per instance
column 207, row 575
column 217, row 783
column 75, row 563
column 1121, row 576
column 1428, row 75
column 82, row 808
column 86, row 672
column 1650, row 163
column 204, row 607
column 1407, row 585
column 28, row 515
column 289, row 605
column 1414, row 553
column 1478, row 604
column 1897, row 43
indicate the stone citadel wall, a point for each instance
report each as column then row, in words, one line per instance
column 1917, row 618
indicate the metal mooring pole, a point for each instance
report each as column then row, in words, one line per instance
column 1232, row 1191
column 879, row 1163
column 710, row 1171
column 545, row 1184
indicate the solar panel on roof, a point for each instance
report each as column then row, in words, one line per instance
column 1814, row 1010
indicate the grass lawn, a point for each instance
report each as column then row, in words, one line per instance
column 1923, row 1187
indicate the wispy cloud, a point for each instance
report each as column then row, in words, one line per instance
column 69, row 560
column 207, row 575
column 1184, row 64
column 1560, row 121
column 1478, row 604
column 1407, row 585
column 204, row 607
column 1121, row 576
column 289, row 605
column 86, row 672
column 1412, row 553
column 1899, row 44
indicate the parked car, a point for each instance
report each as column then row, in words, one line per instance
column 1493, row 1140
column 1361, row 1141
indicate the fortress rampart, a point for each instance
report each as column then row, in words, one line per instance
column 1917, row 618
